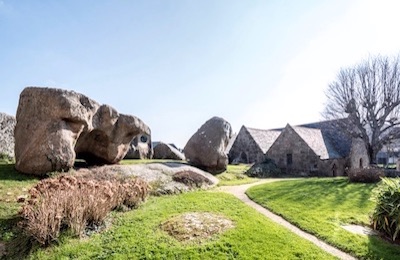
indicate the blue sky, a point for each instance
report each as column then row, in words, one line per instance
column 176, row 64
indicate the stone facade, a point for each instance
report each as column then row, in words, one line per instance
column 302, row 151
column 245, row 149
column 316, row 149
column 292, row 154
column 251, row 144
column 358, row 157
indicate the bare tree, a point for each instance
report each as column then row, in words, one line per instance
column 368, row 94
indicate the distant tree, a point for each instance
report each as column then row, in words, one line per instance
column 368, row 94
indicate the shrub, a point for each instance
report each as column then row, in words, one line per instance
column 191, row 179
column 386, row 215
column 366, row 175
column 266, row 169
column 75, row 202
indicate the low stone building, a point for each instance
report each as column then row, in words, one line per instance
column 320, row 149
column 308, row 151
column 251, row 144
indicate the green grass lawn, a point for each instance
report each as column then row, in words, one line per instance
column 321, row 206
column 234, row 175
column 12, row 185
column 137, row 234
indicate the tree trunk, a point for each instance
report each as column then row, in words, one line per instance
column 371, row 154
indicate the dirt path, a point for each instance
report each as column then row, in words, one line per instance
column 239, row 192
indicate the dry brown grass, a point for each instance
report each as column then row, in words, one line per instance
column 76, row 201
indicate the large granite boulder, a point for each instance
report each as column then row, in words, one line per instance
column 166, row 151
column 55, row 125
column 7, row 125
column 110, row 138
column 206, row 148
column 140, row 147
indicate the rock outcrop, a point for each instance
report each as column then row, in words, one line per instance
column 55, row 126
column 7, row 124
column 166, row 151
column 140, row 148
column 206, row 149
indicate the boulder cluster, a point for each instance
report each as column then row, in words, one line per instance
column 54, row 127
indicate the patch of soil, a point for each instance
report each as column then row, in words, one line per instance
column 360, row 230
column 196, row 226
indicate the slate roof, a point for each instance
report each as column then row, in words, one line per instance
column 331, row 137
column 264, row 138
column 326, row 138
column 315, row 140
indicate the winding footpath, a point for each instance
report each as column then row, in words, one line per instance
column 240, row 192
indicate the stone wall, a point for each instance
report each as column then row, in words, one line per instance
column 332, row 167
column 7, row 143
column 358, row 154
column 245, row 149
column 293, row 155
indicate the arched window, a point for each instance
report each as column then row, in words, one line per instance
column 361, row 163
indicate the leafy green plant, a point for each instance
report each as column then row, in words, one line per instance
column 386, row 215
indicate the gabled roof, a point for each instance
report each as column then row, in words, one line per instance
column 263, row 138
column 327, row 138
column 335, row 138
column 314, row 139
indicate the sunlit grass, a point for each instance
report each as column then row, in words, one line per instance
column 12, row 185
column 321, row 206
column 234, row 175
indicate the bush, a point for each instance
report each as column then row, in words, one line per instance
column 191, row 179
column 268, row 168
column 75, row 202
column 386, row 215
column 366, row 175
